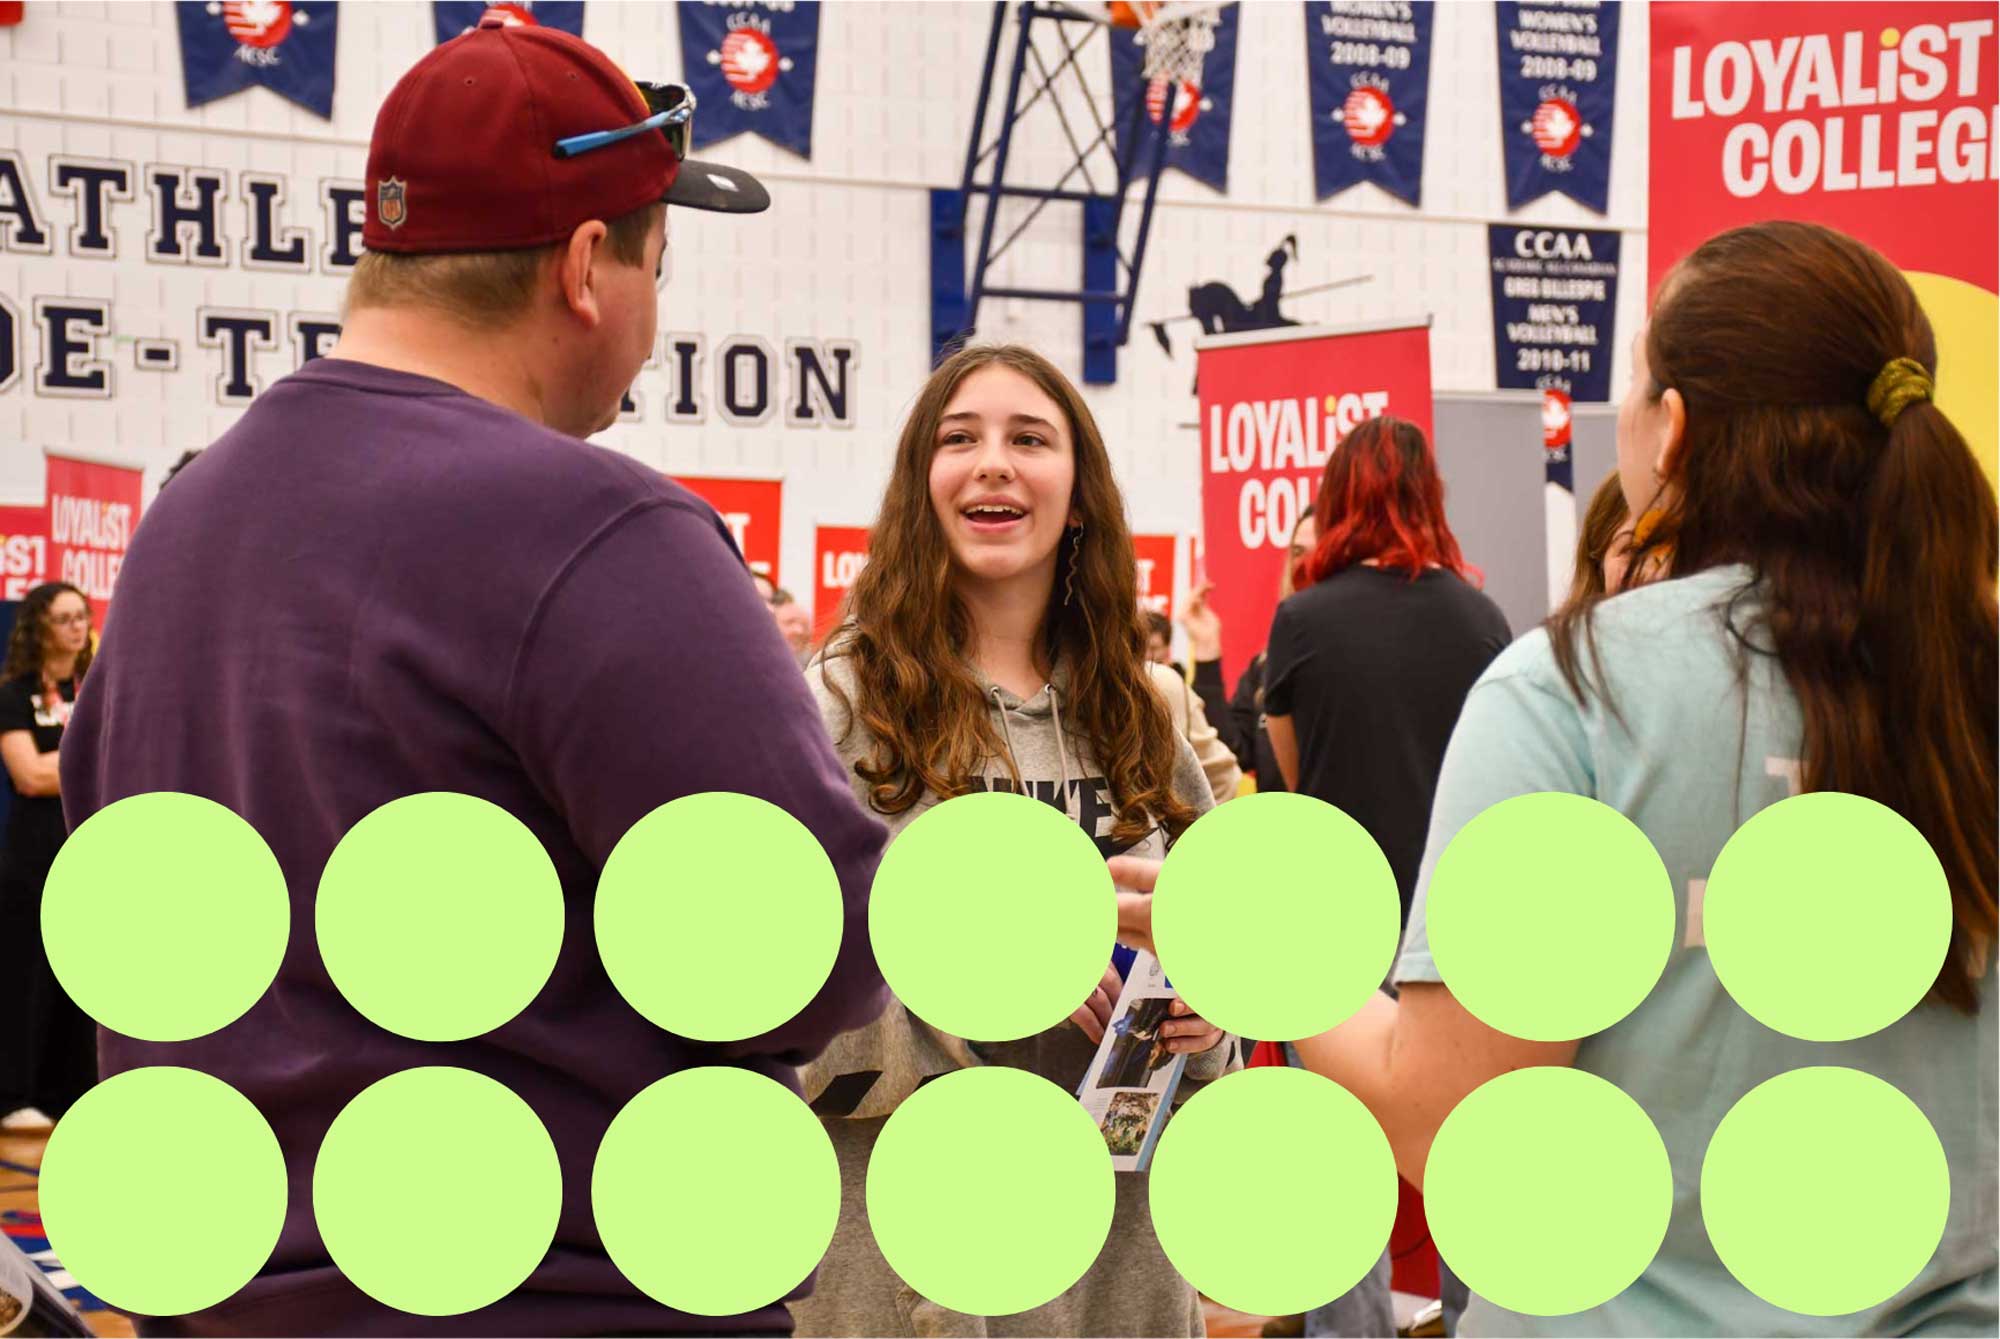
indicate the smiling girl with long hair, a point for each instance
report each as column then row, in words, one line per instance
column 993, row 642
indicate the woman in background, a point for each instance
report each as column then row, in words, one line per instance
column 1240, row 719
column 1370, row 661
column 48, row 1046
column 1217, row 759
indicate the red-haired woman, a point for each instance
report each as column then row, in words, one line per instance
column 1371, row 660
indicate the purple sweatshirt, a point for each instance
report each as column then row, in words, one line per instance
column 375, row 585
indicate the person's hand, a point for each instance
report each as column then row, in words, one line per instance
column 1135, row 879
column 1203, row 624
column 1188, row 1033
column 1094, row 1015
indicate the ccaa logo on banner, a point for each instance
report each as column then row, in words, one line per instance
column 286, row 46
column 752, row 66
column 1555, row 304
column 1555, row 431
column 1555, row 419
column 1558, row 86
column 455, row 18
column 1555, row 300
column 1198, row 134
column 1368, row 74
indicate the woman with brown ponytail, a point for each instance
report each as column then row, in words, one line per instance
column 1822, row 619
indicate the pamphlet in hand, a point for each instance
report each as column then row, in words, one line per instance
column 1129, row 1088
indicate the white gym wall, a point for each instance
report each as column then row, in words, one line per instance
column 844, row 255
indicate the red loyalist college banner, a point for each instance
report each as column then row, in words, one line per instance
column 753, row 510
column 839, row 554
column 24, row 550
column 90, row 512
column 1272, row 410
column 1874, row 118
column 1154, row 555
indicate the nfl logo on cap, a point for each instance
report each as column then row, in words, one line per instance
column 390, row 202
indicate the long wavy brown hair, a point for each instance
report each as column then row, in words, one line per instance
column 1872, row 546
column 905, row 630
column 31, row 622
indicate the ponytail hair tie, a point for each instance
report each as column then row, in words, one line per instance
column 1900, row 383
column 1647, row 526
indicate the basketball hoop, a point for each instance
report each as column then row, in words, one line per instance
column 1177, row 38
column 1177, row 35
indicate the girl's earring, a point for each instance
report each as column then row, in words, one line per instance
column 1075, row 555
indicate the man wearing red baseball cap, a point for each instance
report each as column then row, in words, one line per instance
column 402, row 571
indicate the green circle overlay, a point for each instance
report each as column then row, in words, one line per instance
column 1550, row 916
column 718, row 916
column 437, row 1191
column 165, row 916
column 1824, row 1190
column 440, row 916
column 992, row 916
column 115, row 1196
column 1275, row 1243
column 990, row 1191
column 1827, row 916
column 716, row 1191
column 1548, row 1190
column 1269, row 860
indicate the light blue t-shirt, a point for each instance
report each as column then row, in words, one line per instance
column 1697, row 753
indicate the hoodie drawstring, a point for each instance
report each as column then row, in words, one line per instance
column 1006, row 735
column 1062, row 756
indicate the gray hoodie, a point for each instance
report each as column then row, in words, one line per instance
column 864, row 1075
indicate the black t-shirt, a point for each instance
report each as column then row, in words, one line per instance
column 35, row 828
column 1373, row 669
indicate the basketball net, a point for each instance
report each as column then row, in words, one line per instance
column 1177, row 38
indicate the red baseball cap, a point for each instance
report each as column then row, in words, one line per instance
column 463, row 156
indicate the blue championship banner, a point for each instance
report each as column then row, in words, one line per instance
column 1555, row 305
column 752, row 67
column 1198, row 136
column 230, row 45
column 1558, row 83
column 1368, row 75
column 457, row 17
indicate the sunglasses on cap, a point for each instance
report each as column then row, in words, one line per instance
column 710, row 186
column 670, row 110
